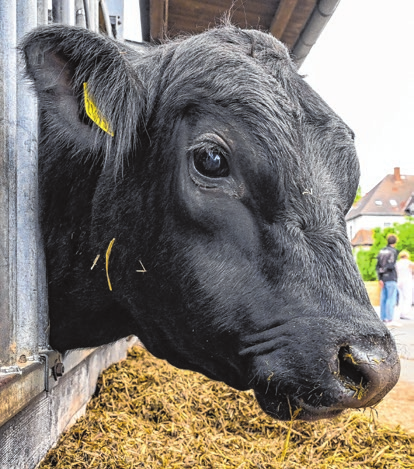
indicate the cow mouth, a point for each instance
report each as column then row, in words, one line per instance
column 296, row 409
column 354, row 378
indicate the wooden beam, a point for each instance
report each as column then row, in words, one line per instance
column 282, row 17
column 158, row 18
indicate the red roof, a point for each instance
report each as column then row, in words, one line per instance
column 363, row 238
column 388, row 197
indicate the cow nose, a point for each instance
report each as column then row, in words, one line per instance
column 366, row 375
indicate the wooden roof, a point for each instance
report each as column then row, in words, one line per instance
column 285, row 19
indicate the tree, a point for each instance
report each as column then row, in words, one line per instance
column 367, row 260
column 405, row 234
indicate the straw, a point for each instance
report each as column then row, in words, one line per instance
column 147, row 414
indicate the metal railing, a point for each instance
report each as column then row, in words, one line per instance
column 26, row 360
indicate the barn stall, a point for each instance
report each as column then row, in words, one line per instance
column 41, row 392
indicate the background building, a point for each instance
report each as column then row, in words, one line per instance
column 389, row 202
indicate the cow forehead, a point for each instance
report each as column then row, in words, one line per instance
column 248, row 71
column 252, row 42
column 227, row 49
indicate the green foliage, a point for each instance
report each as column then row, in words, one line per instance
column 366, row 263
column 367, row 260
column 405, row 236
column 358, row 195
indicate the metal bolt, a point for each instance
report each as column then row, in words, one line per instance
column 57, row 370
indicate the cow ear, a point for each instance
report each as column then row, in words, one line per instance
column 89, row 95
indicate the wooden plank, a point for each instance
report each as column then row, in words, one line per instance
column 282, row 17
column 188, row 16
column 298, row 21
column 285, row 19
column 17, row 390
column 158, row 18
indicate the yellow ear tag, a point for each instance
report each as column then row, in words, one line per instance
column 93, row 112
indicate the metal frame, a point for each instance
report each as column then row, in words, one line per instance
column 23, row 291
column 23, row 311
column 28, row 367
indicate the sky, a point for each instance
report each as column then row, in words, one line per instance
column 363, row 67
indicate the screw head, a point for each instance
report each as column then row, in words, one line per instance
column 58, row 369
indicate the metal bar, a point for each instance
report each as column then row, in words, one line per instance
column 106, row 20
column 57, row 11
column 95, row 16
column 42, row 12
column 320, row 16
column 64, row 12
column 144, row 6
column 8, row 110
column 26, row 325
column 87, row 13
column 80, row 13
column 43, row 317
column 92, row 8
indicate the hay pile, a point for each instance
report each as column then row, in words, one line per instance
column 148, row 414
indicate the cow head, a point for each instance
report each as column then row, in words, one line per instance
column 213, row 184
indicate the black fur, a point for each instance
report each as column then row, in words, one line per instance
column 249, row 277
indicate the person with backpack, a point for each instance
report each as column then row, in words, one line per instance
column 387, row 276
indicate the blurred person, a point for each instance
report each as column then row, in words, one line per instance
column 387, row 276
column 405, row 269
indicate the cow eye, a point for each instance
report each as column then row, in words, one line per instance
column 211, row 163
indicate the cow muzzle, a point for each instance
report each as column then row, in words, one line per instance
column 316, row 380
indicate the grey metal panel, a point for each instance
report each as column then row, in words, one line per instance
column 7, row 180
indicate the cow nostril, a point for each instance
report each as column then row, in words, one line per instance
column 351, row 373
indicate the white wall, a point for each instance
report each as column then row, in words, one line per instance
column 367, row 222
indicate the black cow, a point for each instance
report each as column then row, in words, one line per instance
column 213, row 183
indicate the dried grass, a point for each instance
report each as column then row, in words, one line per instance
column 147, row 414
